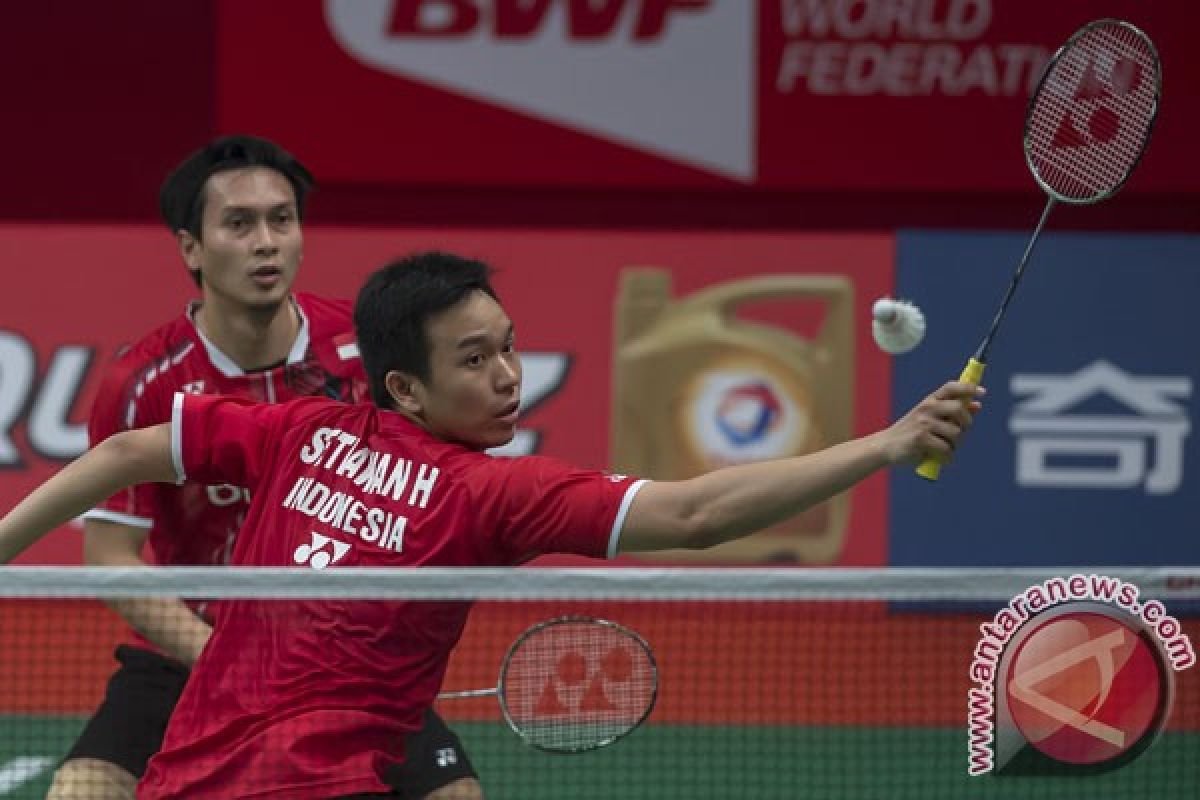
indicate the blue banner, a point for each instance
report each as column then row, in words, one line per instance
column 1084, row 452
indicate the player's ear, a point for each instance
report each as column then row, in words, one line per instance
column 404, row 390
column 189, row 248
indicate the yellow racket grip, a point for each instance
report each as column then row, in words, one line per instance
column 972, row 373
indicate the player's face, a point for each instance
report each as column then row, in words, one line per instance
column 251, row 239
column 474, row 385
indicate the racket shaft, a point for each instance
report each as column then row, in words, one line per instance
column 931, row 467
column 981, row 355
column 468, row 693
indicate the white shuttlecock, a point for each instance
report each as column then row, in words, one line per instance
column 899, row 326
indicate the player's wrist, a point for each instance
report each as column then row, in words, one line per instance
column 883, row 449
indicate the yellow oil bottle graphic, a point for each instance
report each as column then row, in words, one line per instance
column 696, row 388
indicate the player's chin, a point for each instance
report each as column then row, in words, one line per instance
column 268, row 299
column 497, row 434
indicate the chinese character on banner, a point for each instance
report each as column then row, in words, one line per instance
column 1060, row 449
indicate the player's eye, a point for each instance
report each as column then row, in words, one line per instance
column 474, row 360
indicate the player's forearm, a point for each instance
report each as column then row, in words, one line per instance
column 140, row 456
column 167, row 622
column 736, row 501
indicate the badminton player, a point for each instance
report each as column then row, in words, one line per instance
column 235, row 207
column 311, row 699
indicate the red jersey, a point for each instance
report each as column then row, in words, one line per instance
column 196, row 523
column 313, row 699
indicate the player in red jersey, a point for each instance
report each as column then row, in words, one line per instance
column 236, row 208
column 272, row 709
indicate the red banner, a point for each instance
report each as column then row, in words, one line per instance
column 882, row 95
column 782, row 362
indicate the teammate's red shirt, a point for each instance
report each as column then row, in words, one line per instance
column 312, row 699
column 195, row 523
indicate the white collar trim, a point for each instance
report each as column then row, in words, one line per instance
column 226, row 366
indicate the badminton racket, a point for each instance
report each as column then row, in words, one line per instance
column 573, row 684
column 1088, row 123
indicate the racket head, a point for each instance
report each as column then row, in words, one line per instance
column 575, row 683
column 1093, row 111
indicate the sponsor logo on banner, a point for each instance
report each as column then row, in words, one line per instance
column 42, row 403
column 1075, row 675
column 742, row 416
column 1142, row 448
column 622, row 69
column 916, row 48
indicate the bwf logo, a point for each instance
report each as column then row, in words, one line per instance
column 618, row 69
column 1082, row 687
column 320, row 552
column 518, row 19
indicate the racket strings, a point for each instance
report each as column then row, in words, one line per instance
column 1092, row 117
column 578, row 685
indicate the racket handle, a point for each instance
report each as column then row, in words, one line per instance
column 931, row 467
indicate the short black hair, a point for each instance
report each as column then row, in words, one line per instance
column 181, row 198
column 395, row 304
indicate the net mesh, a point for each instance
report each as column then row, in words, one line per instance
column 1092, row 116
column 774, row 683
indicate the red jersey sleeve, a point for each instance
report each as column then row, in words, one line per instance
column 218, row 439
column 536, row 505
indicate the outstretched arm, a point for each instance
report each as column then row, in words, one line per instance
column 125, row 459
column 736, row 501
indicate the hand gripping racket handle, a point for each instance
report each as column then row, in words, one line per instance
column 972, row 373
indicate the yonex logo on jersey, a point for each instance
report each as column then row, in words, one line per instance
column 315, row 554
column 446, row 757
column 194, row 387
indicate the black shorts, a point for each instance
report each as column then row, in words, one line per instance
column 433, row 757
column 129, row 725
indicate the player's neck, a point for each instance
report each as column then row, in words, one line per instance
column 253, row 338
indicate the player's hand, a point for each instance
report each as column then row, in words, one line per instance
column 935, row 425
